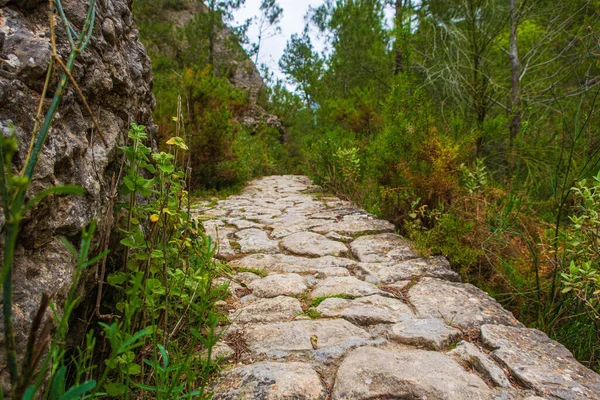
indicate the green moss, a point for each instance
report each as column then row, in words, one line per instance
column 319, row 300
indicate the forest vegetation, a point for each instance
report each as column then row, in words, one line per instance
column 472, row 125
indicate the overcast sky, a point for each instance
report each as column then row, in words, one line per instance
column 292, row 22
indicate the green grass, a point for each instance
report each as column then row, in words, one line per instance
column 260, row 272
column 579, row 336
column 311, row 313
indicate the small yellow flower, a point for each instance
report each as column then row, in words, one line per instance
column 153, row 218
column 177, row 141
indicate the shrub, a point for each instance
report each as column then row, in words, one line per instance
column 582, row 248
column 448, row 237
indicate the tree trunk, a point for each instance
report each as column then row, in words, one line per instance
column 212, row 32
column 211, row 48
column 399, row 63
column 515, row 94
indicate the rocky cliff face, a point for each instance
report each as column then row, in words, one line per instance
column 115, row 76
column 242, row 72
column 233, row 62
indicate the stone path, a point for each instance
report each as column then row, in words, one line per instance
column 328, row 303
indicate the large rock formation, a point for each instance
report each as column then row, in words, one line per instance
column 115, row 76
column 232, row 61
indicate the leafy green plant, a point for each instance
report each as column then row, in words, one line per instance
column 54, row 361
column 448, row 238
column 582, row 248
column 344, row 174
column 166, row 280
column 475, row 178
column 167, row 295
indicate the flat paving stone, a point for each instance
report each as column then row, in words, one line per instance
column 387, row 272
column 250, row 212
column 369, row 310
column 347, row 286
column 245, row 277
column 381, row 248
column 397, row 287
column 243, row 223
column 540, row 363
column 275, row 309
column 354, row 227
column 332, row 271
column 477, row 360
column 323, row 338
column 221, row 351
column 270, row 381
column 461, row 304
column 220, row 235
column 299, row 198
column 312, row 244
column 372, row 373
column 338, row 237
column 276, row 203
column 287, row 263
column 340, row 212
column 277, row 285
column 431, row 333
column 256, row 241
column 215, row 213
column 294, row 225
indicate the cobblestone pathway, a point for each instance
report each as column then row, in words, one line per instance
column 329, row 303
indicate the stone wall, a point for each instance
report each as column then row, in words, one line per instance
column 115, row 76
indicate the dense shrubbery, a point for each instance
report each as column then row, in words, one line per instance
column 192, row 65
